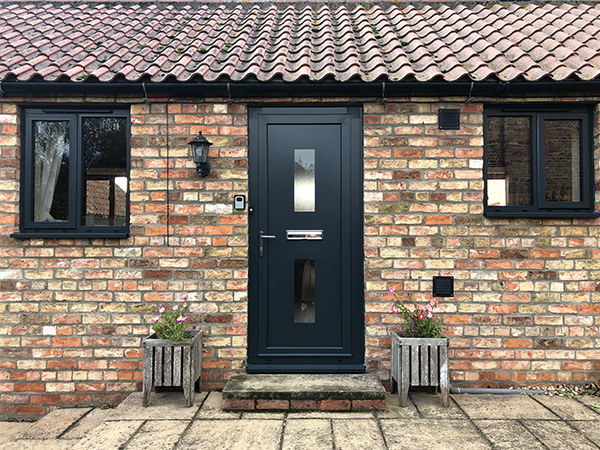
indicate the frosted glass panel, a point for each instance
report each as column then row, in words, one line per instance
column 304, row 180
column 304, row 290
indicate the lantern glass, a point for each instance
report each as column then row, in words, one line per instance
column 200, row 152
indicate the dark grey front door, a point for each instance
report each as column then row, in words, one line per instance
column 306, row 310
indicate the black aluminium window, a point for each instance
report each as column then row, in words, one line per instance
column 538, row 162
column 75, row 173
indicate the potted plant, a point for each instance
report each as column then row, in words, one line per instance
column 173, row 354
column 420, row 355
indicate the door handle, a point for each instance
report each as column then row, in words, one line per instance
column 261, row 242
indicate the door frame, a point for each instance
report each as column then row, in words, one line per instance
column 264, row 363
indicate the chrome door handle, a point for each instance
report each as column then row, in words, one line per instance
column 261, row 242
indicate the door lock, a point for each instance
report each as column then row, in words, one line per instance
column 261, row 242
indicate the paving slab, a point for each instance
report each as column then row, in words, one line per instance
column 488, row 406
column 588, row 429
column 87, row 423
column 558, row 435
column 566, row 408
column 263, row 415
column 590, row 401
column 330, row 415
column 38, row 444
column 163, row 405
column 433, row 434
column 232, row 435
column 110, row 435
column 52, row 425
column 158, row 435
column 308, row 434
column 394, row 411
column 357, row 434
column 508, row 435
column 10, row 430
column 211, row 408
column 430, row 406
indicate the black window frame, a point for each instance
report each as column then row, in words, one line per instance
column 540, row 207
column 74, row 227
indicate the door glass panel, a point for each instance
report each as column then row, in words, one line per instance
column 304, row 290
column 51, row 170
column 509, row 161
column 304, row 180
column 105, row 163
column 562, row 147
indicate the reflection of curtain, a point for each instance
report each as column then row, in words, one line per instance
column 51, row 140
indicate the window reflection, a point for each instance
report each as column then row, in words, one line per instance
column 51, row 185
column 562, row 147
column 304, row 290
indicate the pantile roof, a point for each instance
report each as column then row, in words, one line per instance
column 210, row 42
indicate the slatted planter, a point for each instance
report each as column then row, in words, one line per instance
column 419, row 362
column 172, row 363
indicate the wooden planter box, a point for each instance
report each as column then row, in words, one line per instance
column 419, row 362
column 172, row 363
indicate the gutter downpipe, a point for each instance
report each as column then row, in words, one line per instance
column 494, row 391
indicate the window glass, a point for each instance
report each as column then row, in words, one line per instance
column 51, row 170
column 304, row 180
column 563, row 166
column 509, row 161
column 304, row 290
column 104, row 168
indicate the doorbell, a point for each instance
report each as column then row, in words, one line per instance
column 239, row 202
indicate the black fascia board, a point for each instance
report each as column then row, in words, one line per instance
column 379, row 89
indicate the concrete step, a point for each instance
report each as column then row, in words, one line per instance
column 303, row 392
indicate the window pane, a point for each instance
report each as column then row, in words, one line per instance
column 304, row 180
column 104, row 166
column 304, row 290
column 51, row 170
column 562, row 147
column 509, row 161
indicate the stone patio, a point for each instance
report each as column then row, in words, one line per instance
column 472, row 422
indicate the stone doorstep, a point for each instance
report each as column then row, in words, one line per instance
column 303, row 392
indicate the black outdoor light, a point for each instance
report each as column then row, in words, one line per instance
column 200, row 147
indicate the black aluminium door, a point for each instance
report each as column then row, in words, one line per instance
column 306, row 298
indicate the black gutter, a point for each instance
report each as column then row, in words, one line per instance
column 324, row 88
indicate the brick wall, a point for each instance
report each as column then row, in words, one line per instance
column 526, row 307
column 73, row 312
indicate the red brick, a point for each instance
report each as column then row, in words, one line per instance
column 303, row 405
column 272, row 404
column 30, row 387
column 333, row 405
column 31, row 410
column 368, row 405
column 237, row 405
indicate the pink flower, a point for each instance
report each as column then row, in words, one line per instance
column 432, row 303
column 395, row 309
column 184, row 304
column 155, row 319
column 422, row 308
column 421, row 316
column 392, row 289
column 429, row 315
column 175, row 308
column 183, row 296
column 182, row 319
column 161, row 309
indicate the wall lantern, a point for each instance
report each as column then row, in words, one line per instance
column 200, row 147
